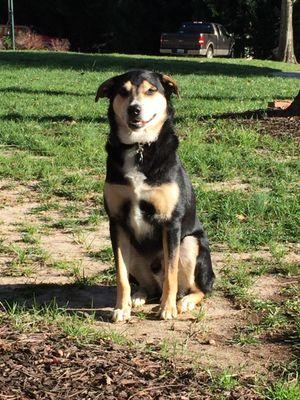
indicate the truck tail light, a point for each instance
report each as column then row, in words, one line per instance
column 201, row 40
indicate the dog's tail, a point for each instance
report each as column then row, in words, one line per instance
column 204, row 275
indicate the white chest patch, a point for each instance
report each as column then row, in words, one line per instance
column 137, row 179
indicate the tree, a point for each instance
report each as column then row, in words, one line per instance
column 286, row 38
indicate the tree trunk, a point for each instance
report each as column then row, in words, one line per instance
column 294, row 109
column 286, row 40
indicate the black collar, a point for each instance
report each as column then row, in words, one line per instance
column 115, row 142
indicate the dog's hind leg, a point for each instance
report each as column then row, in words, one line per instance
column 189, row 302
column 140, row 270
column 195, row 272
column 139, row 298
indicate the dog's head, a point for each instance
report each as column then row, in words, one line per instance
column 139, row 103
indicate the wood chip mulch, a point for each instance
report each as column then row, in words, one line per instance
column 49, row 365
column 278, row 127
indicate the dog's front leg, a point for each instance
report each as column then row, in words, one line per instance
column 121, row 248
column 171, row 243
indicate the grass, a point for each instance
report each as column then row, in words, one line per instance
column 104, row 255
column 30, row 234
column 24, row 260
column 235, row 282
column 52, row 131
column 283, row 390
column 272, row 319
column 105, row 277
column 81, row 327
column 225, row 380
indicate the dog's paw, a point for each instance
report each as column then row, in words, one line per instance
column 185, row 304
column 138, row 299
column 121, row 314
column 168, row 311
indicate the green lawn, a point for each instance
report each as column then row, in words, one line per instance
column 53, row 132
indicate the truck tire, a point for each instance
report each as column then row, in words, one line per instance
column 210, row 52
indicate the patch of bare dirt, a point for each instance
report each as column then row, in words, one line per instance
column 64, row 246
column 222, row 256
column 230, row 186
column 270, row 287
column 204, row 336
column 234, row 184
column 17, row 203
column 293, row 256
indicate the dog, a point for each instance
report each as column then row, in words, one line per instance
column 157, row 239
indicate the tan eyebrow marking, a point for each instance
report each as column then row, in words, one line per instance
column 145, row 85
column 128, row 86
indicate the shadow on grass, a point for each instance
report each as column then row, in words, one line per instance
column 209, row 97
column 98, row 300
column 250, row 114
column 16, row 117
column 91, row 95
column 25, row 90
column 257, row 114
column 95, row 298
column 114, row 62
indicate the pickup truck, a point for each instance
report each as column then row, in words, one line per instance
column 198, row 38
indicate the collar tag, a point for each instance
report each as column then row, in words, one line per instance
column 140, row 153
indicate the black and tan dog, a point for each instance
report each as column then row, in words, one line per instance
column 156, row 236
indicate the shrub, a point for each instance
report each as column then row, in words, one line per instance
column 60, row 45
column 2, row 47
column 29, row 41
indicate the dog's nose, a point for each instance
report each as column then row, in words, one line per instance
column 134, row 110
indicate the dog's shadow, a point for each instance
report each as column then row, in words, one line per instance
column 97, row 300
column 94, row 299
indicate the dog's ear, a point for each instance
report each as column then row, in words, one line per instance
column 105, row 89
column 170, row 85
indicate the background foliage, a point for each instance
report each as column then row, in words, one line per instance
column 134, row 26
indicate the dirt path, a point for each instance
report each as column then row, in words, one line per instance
column 206, row 336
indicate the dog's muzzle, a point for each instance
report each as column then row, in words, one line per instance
column 135, row 120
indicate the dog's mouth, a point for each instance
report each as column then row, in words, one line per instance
column 138, row 123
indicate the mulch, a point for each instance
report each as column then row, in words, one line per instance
column 49, row 365
column 277, row 126
column 272, row 121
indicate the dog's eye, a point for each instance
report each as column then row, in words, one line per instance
column 123, row 92
column 151, row 91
